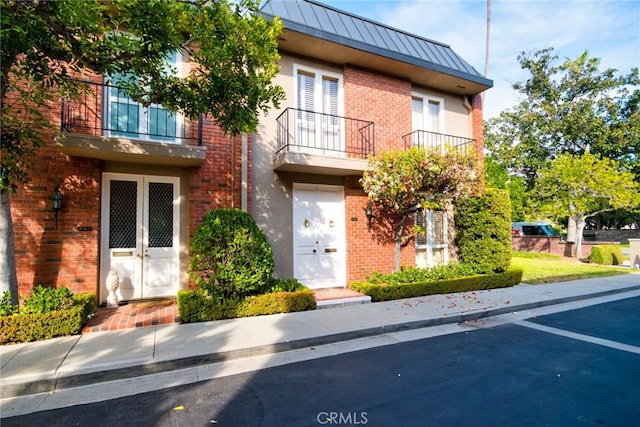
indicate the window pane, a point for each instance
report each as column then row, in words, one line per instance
column 434, row 116
column 306, row 94
column 421, row 238
column 124, row 118
column 123, row 214
column 160, row 215
column 162, row 123
column 438, row 227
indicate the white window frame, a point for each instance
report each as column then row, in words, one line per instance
column 319, row 75
column 430, row 244
column 426, row 99
column 426, row 122
column 110, row 94
column 318, row 72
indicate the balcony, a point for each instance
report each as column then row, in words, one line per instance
column 321, row 143
column 438, row 141
column 105, row 124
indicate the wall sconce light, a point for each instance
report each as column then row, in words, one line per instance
column 368, row 211
column 56, row 203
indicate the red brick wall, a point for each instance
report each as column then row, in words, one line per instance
column 217, row 183
column 69, row 255
column 387, row 102
column 552, row 245
column 381, row 99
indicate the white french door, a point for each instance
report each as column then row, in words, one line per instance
column 427, row 115
column 318, row 239
column 320, row 127
column 140, row 234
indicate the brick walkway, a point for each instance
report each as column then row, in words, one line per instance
column 134, row 315
column 164, row 312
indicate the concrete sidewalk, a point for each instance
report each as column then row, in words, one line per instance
column 68, row 362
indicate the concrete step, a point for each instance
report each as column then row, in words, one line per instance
column 332, row 297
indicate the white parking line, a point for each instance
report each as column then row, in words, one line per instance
column 581, row 337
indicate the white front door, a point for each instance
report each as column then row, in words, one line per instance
column 140, row 234
column 318, row 235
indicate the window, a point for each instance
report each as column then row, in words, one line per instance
column 319, row 102
column 129, row 119
column 432, row 245
column 427, row 120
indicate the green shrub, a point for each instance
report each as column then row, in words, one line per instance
column 197, row 306
column 286, row 285
column 277, row 302
column 381, row 292
column 483, row 231
column 606, row 255
column 46, row 300
column 230, row 255
column 417, row 274
column 25, row 327
column 7, row 307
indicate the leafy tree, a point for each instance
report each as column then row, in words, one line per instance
column 399, row 182
column 582, row 186
column 497, row 176
column 44, row 43
column 569, row 108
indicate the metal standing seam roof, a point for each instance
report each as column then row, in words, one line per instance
column 325, row 22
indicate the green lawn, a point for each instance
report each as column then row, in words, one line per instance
column 545, row 269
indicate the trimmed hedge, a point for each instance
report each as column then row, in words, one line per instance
column 483, row 231
column 197, row 306
column 377, row 293
column 18, row 328
column 606, row 254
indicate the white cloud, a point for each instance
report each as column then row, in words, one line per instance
column 608, row 29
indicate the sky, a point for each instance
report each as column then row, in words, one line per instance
column 607, row 29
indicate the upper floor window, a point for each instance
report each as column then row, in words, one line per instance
column 427, row 120
column 126, row 118
column 427, row 113
column 318, row 99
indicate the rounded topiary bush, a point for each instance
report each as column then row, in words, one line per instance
column 230, row 255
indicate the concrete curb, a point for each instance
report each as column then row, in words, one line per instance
column 84, row 379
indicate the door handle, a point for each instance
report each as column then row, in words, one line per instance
column 314, row 251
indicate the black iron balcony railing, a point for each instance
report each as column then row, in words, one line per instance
column 325, row 134
column 434, row 140
column 104, row 110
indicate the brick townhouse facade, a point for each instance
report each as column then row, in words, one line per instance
column 133, row 193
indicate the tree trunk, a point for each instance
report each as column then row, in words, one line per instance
column 571, row 230
column 8, row 277
column 397, row 245
column 580, row 224
column 396, row 255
